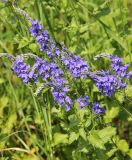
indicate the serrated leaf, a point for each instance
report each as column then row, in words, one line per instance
column 110, row 114
column 99, row 137
column 95, row 140
column 82, row 133
column 106, row 133
column 73, row 136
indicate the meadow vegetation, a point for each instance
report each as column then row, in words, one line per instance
column 32, row 127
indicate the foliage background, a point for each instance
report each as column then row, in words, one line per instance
column 87, row 27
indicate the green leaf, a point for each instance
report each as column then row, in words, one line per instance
column 24, row 42
column 60, row 138
column 128, row 91
column 1, row 80
column 82, row 133
column 122, row 145
column 110, row 114
column 33, row 47
column 88, row 122
column 119, row 96
column 95, row 140
column 99, row 137
column 100, row 154
column 74, row 121
column 3, row 102
column 10, row 123
column 111, row 152
column 73, row 136
column 130, row 153
column 103, row 12
column 106, row 133
column 3, row 136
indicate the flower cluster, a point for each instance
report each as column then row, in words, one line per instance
column 108, row 84
column 129, row 75
column 73, row 63
column 61, row 97
column 50, row 74
column 53, row 76
column 46, row 43
column 97, row 109
column 119, row 68
column 83, row 101
column 77, row 67
column 111, row 81
column 23, row 70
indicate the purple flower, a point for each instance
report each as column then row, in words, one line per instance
column 54, row 76
column 61, row 98
column 111, row 81
column 97, row 109
column 35, row 28
column 76, row 66
column 119, row 68
column 108, row 84
column 51, row 75
column 21, row 69
column 43, row 38
column 73, row 63
column 129, row 75
column 83, row 101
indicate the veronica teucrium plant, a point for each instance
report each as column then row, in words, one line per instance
column 61, row 72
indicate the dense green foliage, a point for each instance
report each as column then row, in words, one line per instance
column 30, row 127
